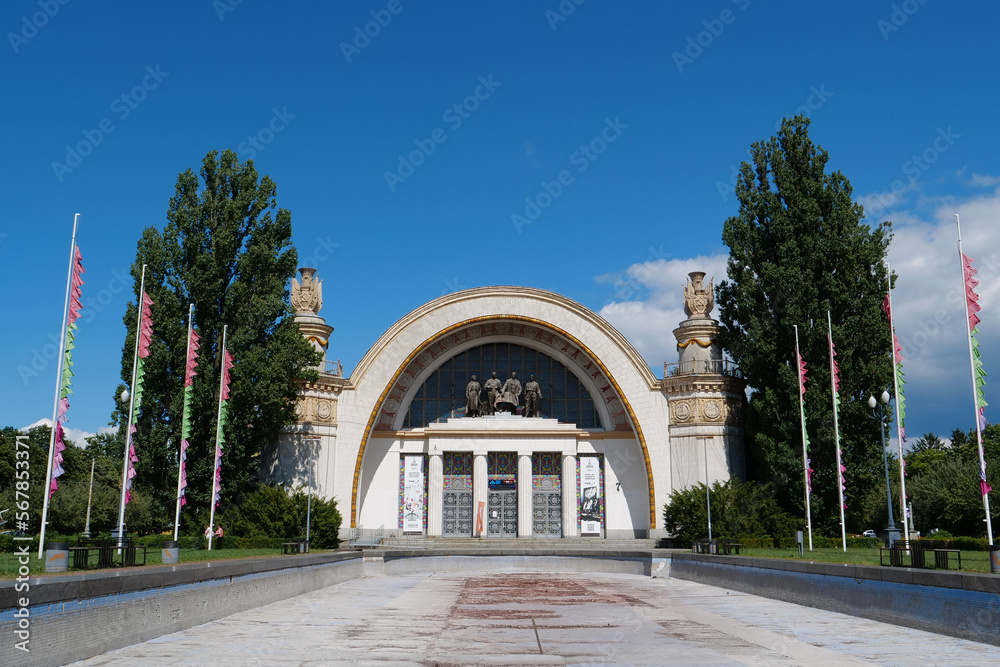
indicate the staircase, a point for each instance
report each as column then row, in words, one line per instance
column 529, row 544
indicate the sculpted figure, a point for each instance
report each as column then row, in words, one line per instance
column 472, row 391
column 532, row 398
column 492, row 387
column 511, row 392
column 698, row 300
column 307, row 296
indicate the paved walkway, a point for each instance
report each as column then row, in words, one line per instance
column 524, row 619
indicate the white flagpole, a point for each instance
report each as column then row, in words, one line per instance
column 180, row 455
column 131, row 403
column 177, row 513
column 55, row 407
column 899, row 419
column 972, row 368
column 805, row 455
column 218, row 435
column 836, row 437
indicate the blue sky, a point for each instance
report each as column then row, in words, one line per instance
column 667, row 96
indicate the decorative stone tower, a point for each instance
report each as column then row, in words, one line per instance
column 308, row 444
column 706, row 394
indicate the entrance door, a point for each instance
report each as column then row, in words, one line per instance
column 501, row 498
column 457, row 496
column 501, row 513
column 546, row 496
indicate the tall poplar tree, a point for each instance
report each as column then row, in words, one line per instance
column 799, row 247
column 227, row 249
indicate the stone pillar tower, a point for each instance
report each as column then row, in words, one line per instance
column 308, row 444
column 706, row 395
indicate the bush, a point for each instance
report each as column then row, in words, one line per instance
column 274, row 512
column 739, row 510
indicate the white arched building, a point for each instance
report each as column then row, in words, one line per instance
column 393, row 445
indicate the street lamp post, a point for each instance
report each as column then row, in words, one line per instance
column 891, row 532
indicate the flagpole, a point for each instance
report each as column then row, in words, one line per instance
column 55, row 406
column 899, row 416
column 836, row 435
column 131, row 404
column 972, row 368
column 805, row 455
column 218, row 434
column 180, row 455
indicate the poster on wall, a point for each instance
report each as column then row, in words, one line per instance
column 413, row 494
column 590, row 495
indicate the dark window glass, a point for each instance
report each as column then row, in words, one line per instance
column 443, row 393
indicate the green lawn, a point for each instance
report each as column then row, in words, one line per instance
column 9, row 563
column 972, row 561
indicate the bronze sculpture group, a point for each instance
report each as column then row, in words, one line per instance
column 505, row 398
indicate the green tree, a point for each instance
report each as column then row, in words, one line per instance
column 739, row 510
column 228, row 251
column 947, row 496
column 926, row 453
column 799, row 247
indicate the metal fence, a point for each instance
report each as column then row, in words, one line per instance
column 703, row 367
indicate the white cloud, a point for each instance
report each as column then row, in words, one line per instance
column 75, row 435
column 927, row 303
column 984, row 180
column 649, row 303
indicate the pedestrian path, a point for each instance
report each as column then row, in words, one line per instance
column 543, row 619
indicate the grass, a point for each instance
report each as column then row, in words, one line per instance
column 972, row 561
column 9, row 562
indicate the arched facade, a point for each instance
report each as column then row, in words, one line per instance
column 518, row 476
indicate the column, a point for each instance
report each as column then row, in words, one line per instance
column 479, row 488
column 569, row 522
column 524, row 522
column 435, row 493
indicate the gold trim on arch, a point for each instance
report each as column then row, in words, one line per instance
column 490, row 318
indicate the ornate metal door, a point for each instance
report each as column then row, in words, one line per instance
column 546, row 514
column 457, row 497
column 546, row 495
column 501, row 512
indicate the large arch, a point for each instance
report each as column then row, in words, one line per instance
column 613, row 371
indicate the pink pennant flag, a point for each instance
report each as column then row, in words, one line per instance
column 76, row 290
column 146, row 332
column 802, row 373
column 833, row 362
column 227, row 365
column 192, row 360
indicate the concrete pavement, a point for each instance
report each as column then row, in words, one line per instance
column 543, row 619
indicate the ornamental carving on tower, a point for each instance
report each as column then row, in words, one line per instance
column 698, row 300
column 307, row 296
